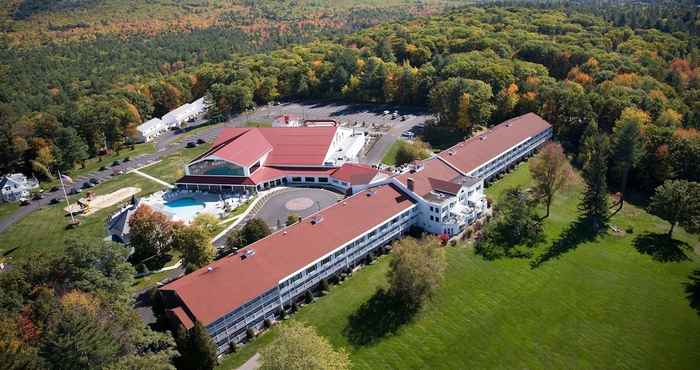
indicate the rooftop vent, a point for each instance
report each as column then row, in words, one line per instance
column 210, row 269
column 508, row 124
column 248, row 253
column 370, row 193
column 316, row 220
column 483, row 137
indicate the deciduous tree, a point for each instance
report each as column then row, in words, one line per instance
column 300, row 347
column 678, row 202
column 416, row 270
column 150, row 233
column 551, row 171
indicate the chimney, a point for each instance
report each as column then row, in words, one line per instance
column 409, row 183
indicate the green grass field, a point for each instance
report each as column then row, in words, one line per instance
column 45, row 230
column 596, row 304
column 390, row 155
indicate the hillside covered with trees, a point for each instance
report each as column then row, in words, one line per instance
column 476, row 66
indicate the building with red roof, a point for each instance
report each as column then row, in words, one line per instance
column 252, row 159
column 440, row 195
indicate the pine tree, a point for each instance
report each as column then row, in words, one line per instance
column 594, row 204
column 197, row 349
column 626, row 152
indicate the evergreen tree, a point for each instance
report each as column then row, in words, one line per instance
column 594, row 204
column 626, row 152
column 197, row 349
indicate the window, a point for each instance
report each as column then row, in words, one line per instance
column 325, row 260
column 322, row 179
column 311, row 269
column 296, row 179
column 431, row 218
column 254, row 167
column 310, row 179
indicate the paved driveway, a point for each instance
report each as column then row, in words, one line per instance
column 300, row 201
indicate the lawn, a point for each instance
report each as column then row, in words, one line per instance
column 390, row 155
column 45, row 230
column 171, row 168
column 7, row 209
column 596, row 304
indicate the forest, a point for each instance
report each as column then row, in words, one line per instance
column 473, row 67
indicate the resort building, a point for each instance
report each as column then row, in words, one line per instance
column 252, row 159
column 16, row 186
column 441, row 195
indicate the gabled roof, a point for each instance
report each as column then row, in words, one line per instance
column 355, row 173
column 228, row 283
column 478, row 150
column 434, row 175
column 245, row 149
column 287, row 146
column 182, row 317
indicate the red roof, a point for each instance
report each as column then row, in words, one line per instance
column 245, row 149
column 433, row 176
column 476, row 151
column 233, row 281
column 289, row 146
column 182, row 317
column 355, row 174
column 215, row 180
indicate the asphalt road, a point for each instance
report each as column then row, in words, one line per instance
column 167, row 144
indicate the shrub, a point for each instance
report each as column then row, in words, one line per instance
column 295, row 307
column 629, row 230
column 324, row 286
column 308, row 297
column 267, row 323
column 233, row 347
column 115, row 163
column 251, row 333
column 126, row 159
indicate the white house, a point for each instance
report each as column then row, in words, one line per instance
column 150, row 129
column 16, row 186
column 184, row 113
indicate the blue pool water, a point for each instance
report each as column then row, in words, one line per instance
column 185, row 208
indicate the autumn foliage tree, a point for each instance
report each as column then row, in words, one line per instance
column 299, row 347
column 416, row 270
column 551, row 171
column 150, row 233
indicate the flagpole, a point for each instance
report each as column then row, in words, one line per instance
column 63, row 186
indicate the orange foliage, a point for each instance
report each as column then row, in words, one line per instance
column 79, row 300
column 686, row 134
column 575, row 74
column 627, row 79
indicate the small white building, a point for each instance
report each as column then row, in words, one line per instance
column 16, row 186
column 150, row 129
column 184, row 113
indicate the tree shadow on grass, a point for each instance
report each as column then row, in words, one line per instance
column 692, row 290
column 661, row 248
column 381, row 315
column 580, row 231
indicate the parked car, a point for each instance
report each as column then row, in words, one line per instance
column 37, row 196
column 24, row 202
column 115, row 163
column 386, row 112
column 54, row 201
column 394, row 115
column 87, row 185
column 75, row 191
column 408, row 134
column 201, row 141
column 191, row 144
column 403, row 118
column 103, row 168
column 94, row 181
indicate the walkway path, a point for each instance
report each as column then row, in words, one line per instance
column 152, row 178
column 253, row 363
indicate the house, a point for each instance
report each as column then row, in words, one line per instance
column 118, row 223
column 184, row 113
column 441, row 195
column 16, row 186
column 150, row 129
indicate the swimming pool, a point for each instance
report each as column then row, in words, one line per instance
column 187, row 208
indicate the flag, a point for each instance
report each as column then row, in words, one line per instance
column 66, row 179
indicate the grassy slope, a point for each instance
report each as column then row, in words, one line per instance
column 44, row 230
column 600, row 305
